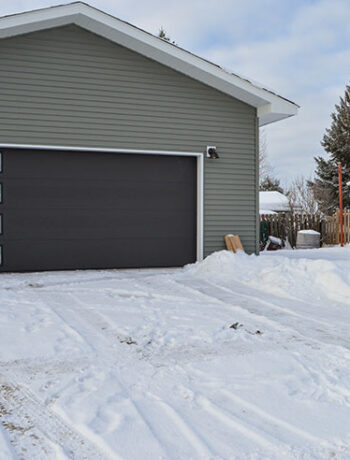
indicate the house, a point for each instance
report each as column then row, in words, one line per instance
column 271, row 202
column 119, row 149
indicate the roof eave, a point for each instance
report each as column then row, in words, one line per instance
column 270, row 107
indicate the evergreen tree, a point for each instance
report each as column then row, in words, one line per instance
column 325, row 186
column 270, row 184
column 336, row 143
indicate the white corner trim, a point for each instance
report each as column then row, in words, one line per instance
column 273, row 107
column 200, row 207
column 200, row 174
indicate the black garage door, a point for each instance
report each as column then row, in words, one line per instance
column 69, row 210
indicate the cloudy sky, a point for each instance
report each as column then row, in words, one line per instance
column 300, row 48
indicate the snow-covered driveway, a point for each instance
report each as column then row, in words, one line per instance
column 143, row 364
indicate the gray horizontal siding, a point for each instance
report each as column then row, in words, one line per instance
column 67, row 86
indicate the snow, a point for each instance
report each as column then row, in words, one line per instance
column 5, row 449
column 275, row 201
column 234, row 357
column 309, row 232
column 266, row 212
column 275, row 240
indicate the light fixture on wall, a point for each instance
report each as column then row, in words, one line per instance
column 211, row 152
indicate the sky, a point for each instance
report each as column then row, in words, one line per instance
column 299, row 48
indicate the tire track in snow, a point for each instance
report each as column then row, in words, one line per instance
column 273, row 420
column 197, row 444
column 207, row 288
column 333, row 388
column 33, row 426
column 274, row 446
column 89, row 324
column 206, row 294
column 264, row 438
column 265, row 424
column 152, row 427
column 271, row 304
column 75, row 324
column 218, row 300
column 265, row 417
column 287, row 313
column 202, row 450
column 95, row 326
column 32, row 367
column 194, row 439
column 259, row 414
column 113, row 274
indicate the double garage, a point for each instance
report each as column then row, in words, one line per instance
column 76, row 209
column 119, row 149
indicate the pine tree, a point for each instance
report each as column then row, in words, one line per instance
column 270, row 184
column 325, row 186
column 336, row 143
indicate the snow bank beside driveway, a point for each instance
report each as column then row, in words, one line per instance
column 312, row 274
column 238, row 357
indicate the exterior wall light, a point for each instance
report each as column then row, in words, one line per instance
column 211, row 152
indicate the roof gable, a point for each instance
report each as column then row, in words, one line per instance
column 270, row 106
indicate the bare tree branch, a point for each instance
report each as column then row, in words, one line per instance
column 301, row 196
column 264, row 165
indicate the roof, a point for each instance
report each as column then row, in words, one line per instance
column 273, row 201
column 266, row 212
column 270, row 106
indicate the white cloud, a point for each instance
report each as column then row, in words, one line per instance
column 309, row 63
column 300, row 49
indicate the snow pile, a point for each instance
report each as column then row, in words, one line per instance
column 309, row 232
column 217, row 265
column 282, row 274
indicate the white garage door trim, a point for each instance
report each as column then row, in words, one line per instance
column 200, row 173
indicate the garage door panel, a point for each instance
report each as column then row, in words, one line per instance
column 94, row 165
column 113, row 253
column 96, row 194
column 72, row 210
column 102, row 223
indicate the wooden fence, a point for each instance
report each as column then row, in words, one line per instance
column 286, row 226
column 332, row 228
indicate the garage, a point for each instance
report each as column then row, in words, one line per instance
column 70, row 209
column 121, row 149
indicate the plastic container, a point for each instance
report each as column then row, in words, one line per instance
column 308, row 239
